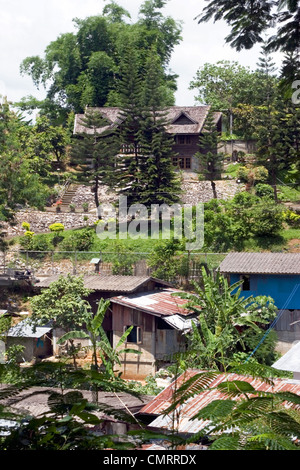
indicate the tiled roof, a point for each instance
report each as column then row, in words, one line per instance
column 159, row 404
column 109, row 283
column 162, row 302
column 261, row 263
column 197, row 115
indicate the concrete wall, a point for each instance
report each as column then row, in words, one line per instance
column 33, row 347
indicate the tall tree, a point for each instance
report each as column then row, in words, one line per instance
column 83, row 68
column 160, row 184
column 277, row 138
column 250, row 20
column 224, row 86
column 94, row 151
column 210, row 159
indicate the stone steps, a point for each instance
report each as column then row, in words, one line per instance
column 68, row 195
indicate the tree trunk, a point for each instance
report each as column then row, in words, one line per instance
column 274, row 184
column 213, row 187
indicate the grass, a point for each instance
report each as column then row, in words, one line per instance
column 289, row 193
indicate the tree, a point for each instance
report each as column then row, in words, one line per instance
column 224, row 317
column 277, row 138
column 94, row 151
column 19, row 182
column 131, row 116
column 211, row 161
column 60, row 303
column 159, row 182
column 250, row 21
column 83, row 68
column 256, row 420
column 100, row 345
column 224, row 86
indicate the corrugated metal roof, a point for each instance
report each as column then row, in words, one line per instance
column 109, row 283
column 161, row 302
column 261, row 263
column 34, row 400
column 23, row 329
column 184, row 424
column 290, row 361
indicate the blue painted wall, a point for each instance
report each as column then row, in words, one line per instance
column 279, row 287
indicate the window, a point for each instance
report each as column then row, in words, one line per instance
column 246, row 282
column 135, row 336
column 183, row 139
column 182, row 162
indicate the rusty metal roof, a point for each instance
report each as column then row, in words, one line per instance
column 184, row 424
column 261, row 263
column 161, row 302
column 109, row 283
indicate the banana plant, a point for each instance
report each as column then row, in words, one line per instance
column 99, row 343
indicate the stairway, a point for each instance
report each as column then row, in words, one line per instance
column 68, row 196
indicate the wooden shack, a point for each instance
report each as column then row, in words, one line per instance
column 160, row 321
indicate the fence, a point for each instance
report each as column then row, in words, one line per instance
column 47, row 263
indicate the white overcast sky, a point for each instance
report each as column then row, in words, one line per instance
column 28, row 26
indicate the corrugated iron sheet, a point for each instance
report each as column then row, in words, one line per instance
column 261, row 263
column 109, row 283
column 184, row 424
column 161, row 302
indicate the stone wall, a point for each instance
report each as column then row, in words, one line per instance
column 194, row 191
column 40, row 220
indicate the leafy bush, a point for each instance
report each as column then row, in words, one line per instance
column 26, row 226
column 56, row 227
column 264, row 190
column 26, row 240
column 292, row 218
column 267, row 219
column 81, row 240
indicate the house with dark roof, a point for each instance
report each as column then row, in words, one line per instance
column 186, row 124
column 160, row 321
column 270, row 274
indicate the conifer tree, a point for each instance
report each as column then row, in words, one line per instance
column 94, row 151
column 210, row 160
column 130, row 119
column 160, row 184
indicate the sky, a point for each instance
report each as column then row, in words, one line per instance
column 27, row 27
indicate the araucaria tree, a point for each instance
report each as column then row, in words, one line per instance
column 160, row 184
column 145, row 173
column 209, row 158
column 94, row 151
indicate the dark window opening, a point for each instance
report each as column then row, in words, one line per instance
column 135, row 336
column 246, row 282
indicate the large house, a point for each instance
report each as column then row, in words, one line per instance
column 270, row 274
column 186, row 123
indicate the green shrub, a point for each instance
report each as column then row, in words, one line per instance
column 26, row 226
column 264, row 190
column 56, row 227
column 292, row 218
column 81, row 240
